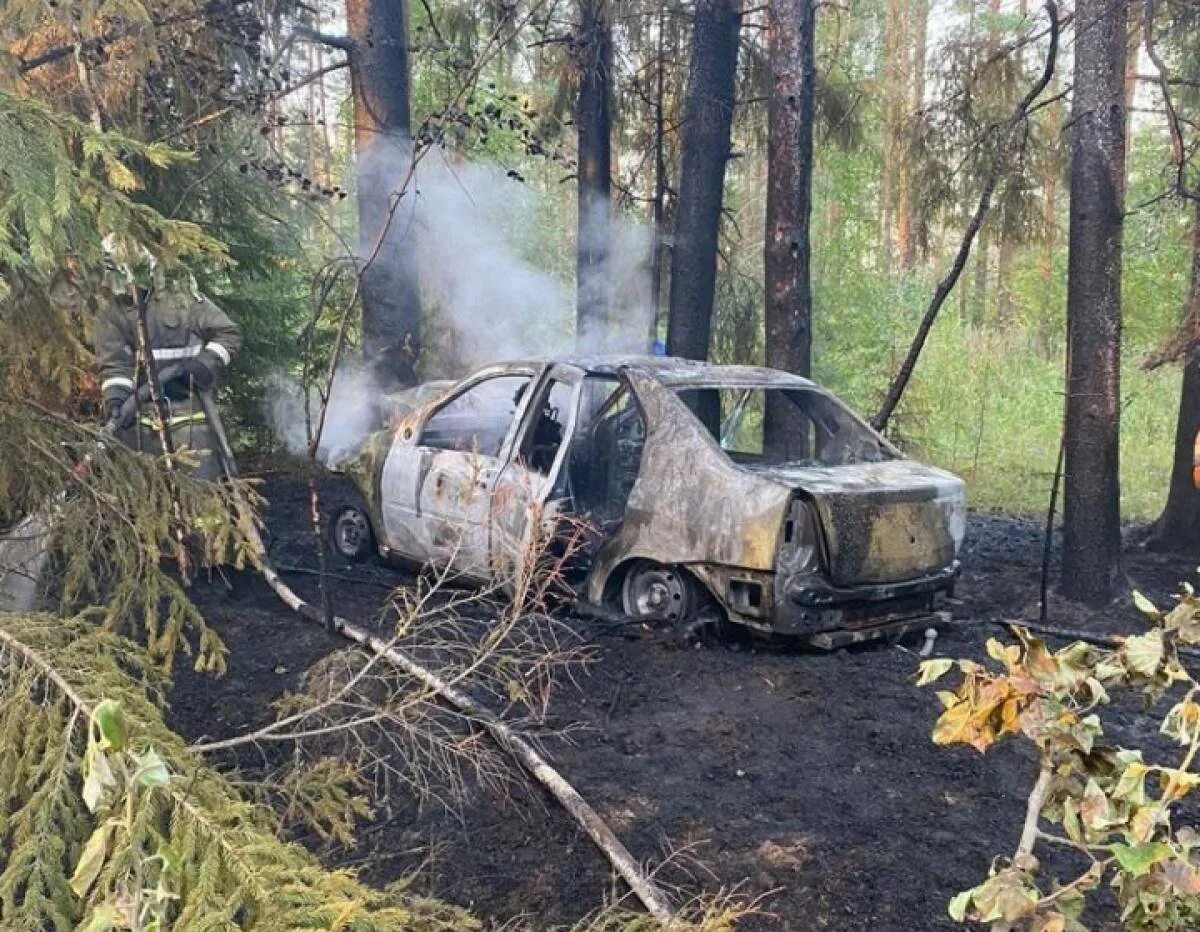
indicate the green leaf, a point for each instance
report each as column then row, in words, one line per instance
column 932, row 670
column 151, row 770
column 1144, row 652
column 102, row 920
column 91, row 860
column 97, row 777
column 110, row 723
column 959, row 905
column 1144, row 605
column 1138, row 859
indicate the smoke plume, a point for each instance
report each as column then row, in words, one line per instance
column 471, row 228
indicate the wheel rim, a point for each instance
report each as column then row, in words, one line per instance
column 351, row 532
column 655, row 593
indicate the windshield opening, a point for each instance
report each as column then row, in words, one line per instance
column 774, row 426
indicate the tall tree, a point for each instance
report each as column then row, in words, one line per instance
column 1091, row 499
column 594, row 122
column 787, row 249
column 1178, row 527
column 378, row 48
column 707, row 122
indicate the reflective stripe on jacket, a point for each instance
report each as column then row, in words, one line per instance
column 179, row 325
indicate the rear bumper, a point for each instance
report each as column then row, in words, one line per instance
column 808, row 604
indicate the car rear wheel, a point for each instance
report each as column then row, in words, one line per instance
column 652, row 592
column 351, row 535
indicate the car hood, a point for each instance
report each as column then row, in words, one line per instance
column 883, row 522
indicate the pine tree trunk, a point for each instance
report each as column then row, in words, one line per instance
column 1178, row 527
column 1091, row 499
column 659, row 204
column 787, row 250
column 895, row 182
column 919, row 27
column 593, row 120
column 391, row 303
column 707, row 122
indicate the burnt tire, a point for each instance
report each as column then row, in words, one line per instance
column 351, row 536
column 655, row 593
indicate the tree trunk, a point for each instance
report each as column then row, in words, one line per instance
column 920, row 42
column 894, row 183
column 1178, row 527
column 377, row 30
column 707, row 121
column 1091, row 500
column 787, row 250
column 659, row 205
column 593, row 120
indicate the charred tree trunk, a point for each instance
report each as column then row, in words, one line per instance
column 707, row 122
column 658, row 208
column 1091, row 500
column 593, row 120
column 1178, row 527
column 787, row 251
column 377, row 31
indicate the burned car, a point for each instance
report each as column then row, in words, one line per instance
column 742, row 490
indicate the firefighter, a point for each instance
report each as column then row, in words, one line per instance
column 184, row 328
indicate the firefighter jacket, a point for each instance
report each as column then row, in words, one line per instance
column 179, row 324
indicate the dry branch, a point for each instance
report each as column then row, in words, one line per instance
column 639, row 881
column 997, row 170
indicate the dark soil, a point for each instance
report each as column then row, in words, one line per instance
column 806, row 781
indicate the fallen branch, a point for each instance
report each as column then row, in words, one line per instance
column 642, row 885
column 946, row 285
column 639, row 881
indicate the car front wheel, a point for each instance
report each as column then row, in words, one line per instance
column 351, row 535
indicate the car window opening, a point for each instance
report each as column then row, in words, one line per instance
column 545, row 437
column 607, row 452
column 777, row 426
column 477, row 420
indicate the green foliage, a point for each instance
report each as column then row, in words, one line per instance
column 109, row 821
column 113, row 532
column 1113, row 805
column 64, row 187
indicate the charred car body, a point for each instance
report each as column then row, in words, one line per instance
column 745, row 488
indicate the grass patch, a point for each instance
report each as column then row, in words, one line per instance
column 988, row 406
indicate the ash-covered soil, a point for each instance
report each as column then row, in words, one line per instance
column 805, row 781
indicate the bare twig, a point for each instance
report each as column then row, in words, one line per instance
column 1179, row 156
column 946, row 285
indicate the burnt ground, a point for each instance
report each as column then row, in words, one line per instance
column 804, row 780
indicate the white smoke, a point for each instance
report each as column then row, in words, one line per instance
column 350, row 416
column 470, row 228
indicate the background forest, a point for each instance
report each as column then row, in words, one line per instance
column 256, row 148
column 908, row 96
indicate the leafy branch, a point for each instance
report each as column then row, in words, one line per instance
column 1113, row 806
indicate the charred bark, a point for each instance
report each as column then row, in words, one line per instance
column 658, row 209
column 1178, row 527
column 594, row 122
column 377, row 30
column 1091, row 499
column 787, row 252
column 707, row 122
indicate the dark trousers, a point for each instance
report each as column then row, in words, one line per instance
column 194, row 435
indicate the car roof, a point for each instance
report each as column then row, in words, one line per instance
column 676, row 372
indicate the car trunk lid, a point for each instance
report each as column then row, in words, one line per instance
column 883, row 522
